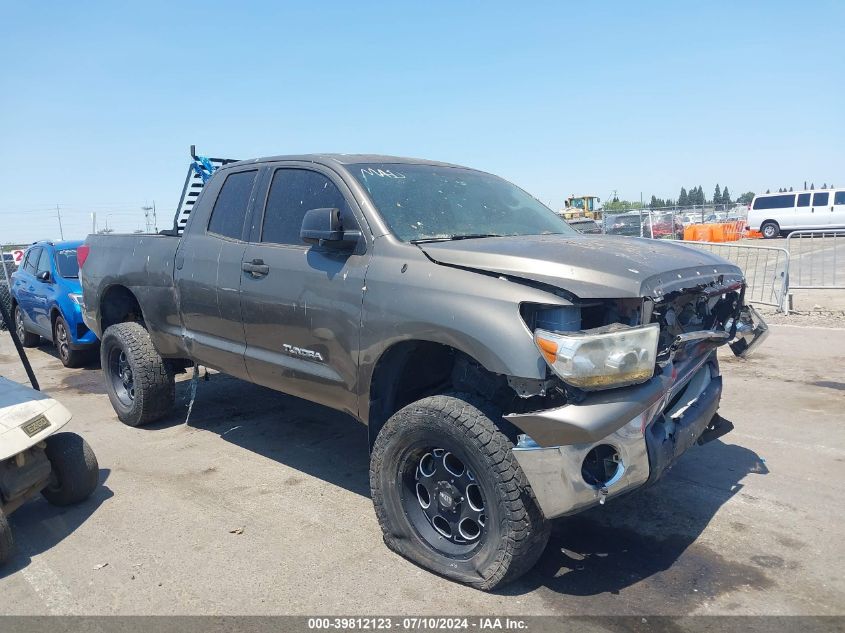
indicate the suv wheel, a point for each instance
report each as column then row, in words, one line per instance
column 450, row 496
column 770, row 229
column 61, row 339
column 74, row 470
column 139, row 382
column 7, row 543
column 27, row 339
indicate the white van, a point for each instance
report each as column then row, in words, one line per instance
column 775, row 214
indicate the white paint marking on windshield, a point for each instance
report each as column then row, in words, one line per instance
column 381, row 173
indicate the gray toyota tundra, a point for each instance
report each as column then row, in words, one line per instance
column 509, row 369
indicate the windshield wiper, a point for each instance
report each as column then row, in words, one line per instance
column 453, row 238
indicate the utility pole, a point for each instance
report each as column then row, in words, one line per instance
column 151, row 222
column 59, row 215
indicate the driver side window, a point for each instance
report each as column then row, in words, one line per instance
column 293, row 192
column 43, row 262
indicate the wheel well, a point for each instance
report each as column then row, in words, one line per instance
column 54, row 313
column 412, row 370
column 119, row 305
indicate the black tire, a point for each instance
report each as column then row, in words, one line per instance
column 74, row 469
column 7, row 543
column 61, row 339
column 27, row 339
column 514, row 532
column 150, row 390
column 770, row 229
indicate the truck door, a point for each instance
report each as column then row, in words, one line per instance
column 24, row 283
column 208, row 272
column 802, row 216
column 301, row 304
column 837, row 211
column 820, row 210
column 42, row 295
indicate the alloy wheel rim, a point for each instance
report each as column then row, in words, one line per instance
column 61, row 335
column 122, row 378
column 19, row 323
column 445, row 497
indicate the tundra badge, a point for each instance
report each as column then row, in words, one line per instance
column 303, row 353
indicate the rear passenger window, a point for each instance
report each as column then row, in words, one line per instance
column 775, row 202
column 292, row 193
column 820, row 199
column 227, row 216
column 803, row 199
column 839, row 197
column 32, row 260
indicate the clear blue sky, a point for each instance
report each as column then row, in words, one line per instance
column 99, row 102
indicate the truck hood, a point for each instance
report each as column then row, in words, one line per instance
column 590, row 267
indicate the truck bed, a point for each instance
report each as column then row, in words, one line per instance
column 143, row 264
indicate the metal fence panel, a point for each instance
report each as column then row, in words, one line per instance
column 766, row 270
column 817, row 259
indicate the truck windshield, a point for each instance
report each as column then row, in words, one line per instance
column 66, row 263
column 429, row 202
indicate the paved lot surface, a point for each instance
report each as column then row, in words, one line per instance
column 753, row 524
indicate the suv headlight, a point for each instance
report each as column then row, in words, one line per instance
column 602, row 358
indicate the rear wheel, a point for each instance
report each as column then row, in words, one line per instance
column 139, row 382
column 74, row 470
column 7, row 543
column 770, row 229
column 450, row 496
column 27, row 339
column 61, row 339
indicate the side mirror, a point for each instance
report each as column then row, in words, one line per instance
column 324, row 227
column 44, row 275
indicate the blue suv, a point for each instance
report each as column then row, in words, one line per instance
column 46, row 301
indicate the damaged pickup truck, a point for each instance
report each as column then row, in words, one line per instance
column 510, row 370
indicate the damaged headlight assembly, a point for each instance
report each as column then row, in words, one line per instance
column 602, row 358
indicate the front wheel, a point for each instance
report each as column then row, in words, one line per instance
column 450, row 496
column 770, row 229
column 139, row 382
column 7, row 543
column 61, row 338
column 74, row 470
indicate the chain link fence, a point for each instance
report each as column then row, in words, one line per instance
column 701, row 223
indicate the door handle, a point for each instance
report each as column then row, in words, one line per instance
column 256, row 268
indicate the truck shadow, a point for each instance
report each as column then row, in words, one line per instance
column 310, row 438
column 38, row 526
column 650, row 537
column 639, row 537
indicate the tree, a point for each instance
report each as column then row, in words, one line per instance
column 824, row 186
column 805, row 184
column 683, row 198
column 726, row 196
column 717, row 195
column 812, row 186
column 768, row 191
column 746, row 198
column 790, row 188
